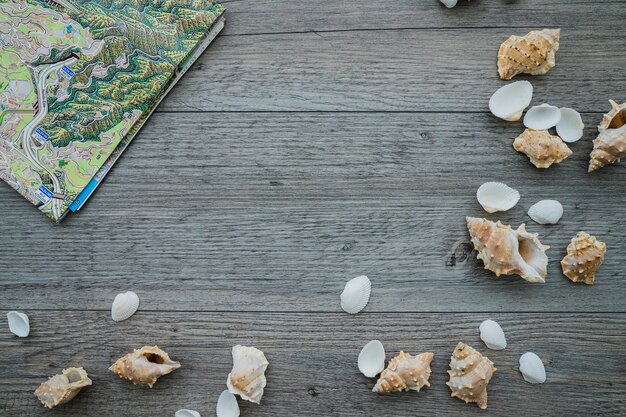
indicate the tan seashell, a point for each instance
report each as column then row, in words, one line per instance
column 534, row 53
column 542, row 148
column 404, row 373
column 62, row 388
column 506, row 251
column 584, row 255
column 247, row 378
column 610, row 145
column 144, row 366
column 470, row 372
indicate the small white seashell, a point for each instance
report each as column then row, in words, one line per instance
column 124, row 306
column 372, row 359
column 356, row 294
column 546, row 212
column 187, row 413
column 570, row 127
column 542, row 117
column 227, row 405
column 531, row 367
column 491, row 333
column 449, row 3
column 18, row 323
column 497, row 196
column 508, row 102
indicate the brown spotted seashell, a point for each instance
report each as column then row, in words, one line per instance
column 62, row 388
column 534, row 53
column 144, row 366
column 470, row 372
column 542, row 148
column 404, row 373
column 610, row 145
column 584, row 255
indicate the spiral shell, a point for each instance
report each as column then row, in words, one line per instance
column 542, row 148
column 247, row 378
column 610, row 145
column 470, row 372
column 534, row 53
column 584, row 256
column 404, row 373
column 62, row 388
column 144, row 366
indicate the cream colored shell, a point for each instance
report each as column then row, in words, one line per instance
column 62, row 388
column 610, row 145
column 470, row 372
column 534, row 53
column 404, row 373
column 247, row 378
column 542, row 148
column 144, row 366
column 584, row 256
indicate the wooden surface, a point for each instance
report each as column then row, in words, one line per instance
column 344, row 138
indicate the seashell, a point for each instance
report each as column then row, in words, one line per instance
column 546, row 212
column 534, row 53
column 542, row 148
column 227, row 405
column 19, row 324
column 570, row 127
column 470, row 372
column 356, row 294
column 124, row 306
column 542, row 117
column 491, row 333
column 531, row 367
column 372, row 359
column 404, row 373
column 144, row 366
column 496, row 196
column 610, row 145
column 508, row 102
column 449, row 3
column 247, row 378
column 62, row 388
column 506, row 251
column 187, row 413
column 584, row 255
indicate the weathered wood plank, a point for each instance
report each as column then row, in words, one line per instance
column 274, row 211
column 312, row 359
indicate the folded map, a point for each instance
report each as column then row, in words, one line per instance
column 78, row 79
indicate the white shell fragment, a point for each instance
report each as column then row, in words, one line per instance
column 570, row 127
column 356, row 294
column 187, row 413
column 531, row 367
column 372, row 359
column 497, row 196
column 19, row 324
column 542, row 117
column 449, row 3
column 546, row 212
column 124, row 306
column 227, row 405
column 247, row 378
column 508, row 102
column 491, row 333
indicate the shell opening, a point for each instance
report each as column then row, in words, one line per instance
column 73, row 376
column 154, row 358
column 618, row 120
column 530, row 252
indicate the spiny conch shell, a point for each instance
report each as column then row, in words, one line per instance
column 404, row 373
column 19, row 324
column 187, row 413
column 508, row 102
column 144, row 366
column 449, row 3
column 356, row 294
column 542, row 148
column 491, row 333
column 62, row 388
column 610, row 145
column 534, row 53
column 371, row 360
column 470, row 372
column 227, row 405
column 496, row 196
column 542, row 117
column 506, row 251
column 247, row 378
column 532, row 369
column 124, row 306
column 570, row 127
column 584, row 255
column 546, row 212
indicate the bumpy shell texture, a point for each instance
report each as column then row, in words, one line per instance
column 124, row 306
column 534, row 53
column 506, row 251
column 144, row 366
column 227, row 405
column 610, row 145
column 62, row 388
column 542, row 148
column 470, row 372
column 491, row 333
column 371, row 359
column 532, row 369
column 356, row 294
column 247, row 378
column 19, row 324
column 584, row 256
column 404, row 373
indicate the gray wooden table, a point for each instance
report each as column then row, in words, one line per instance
column 313, row 142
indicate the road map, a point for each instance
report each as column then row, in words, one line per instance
column 78, row 79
